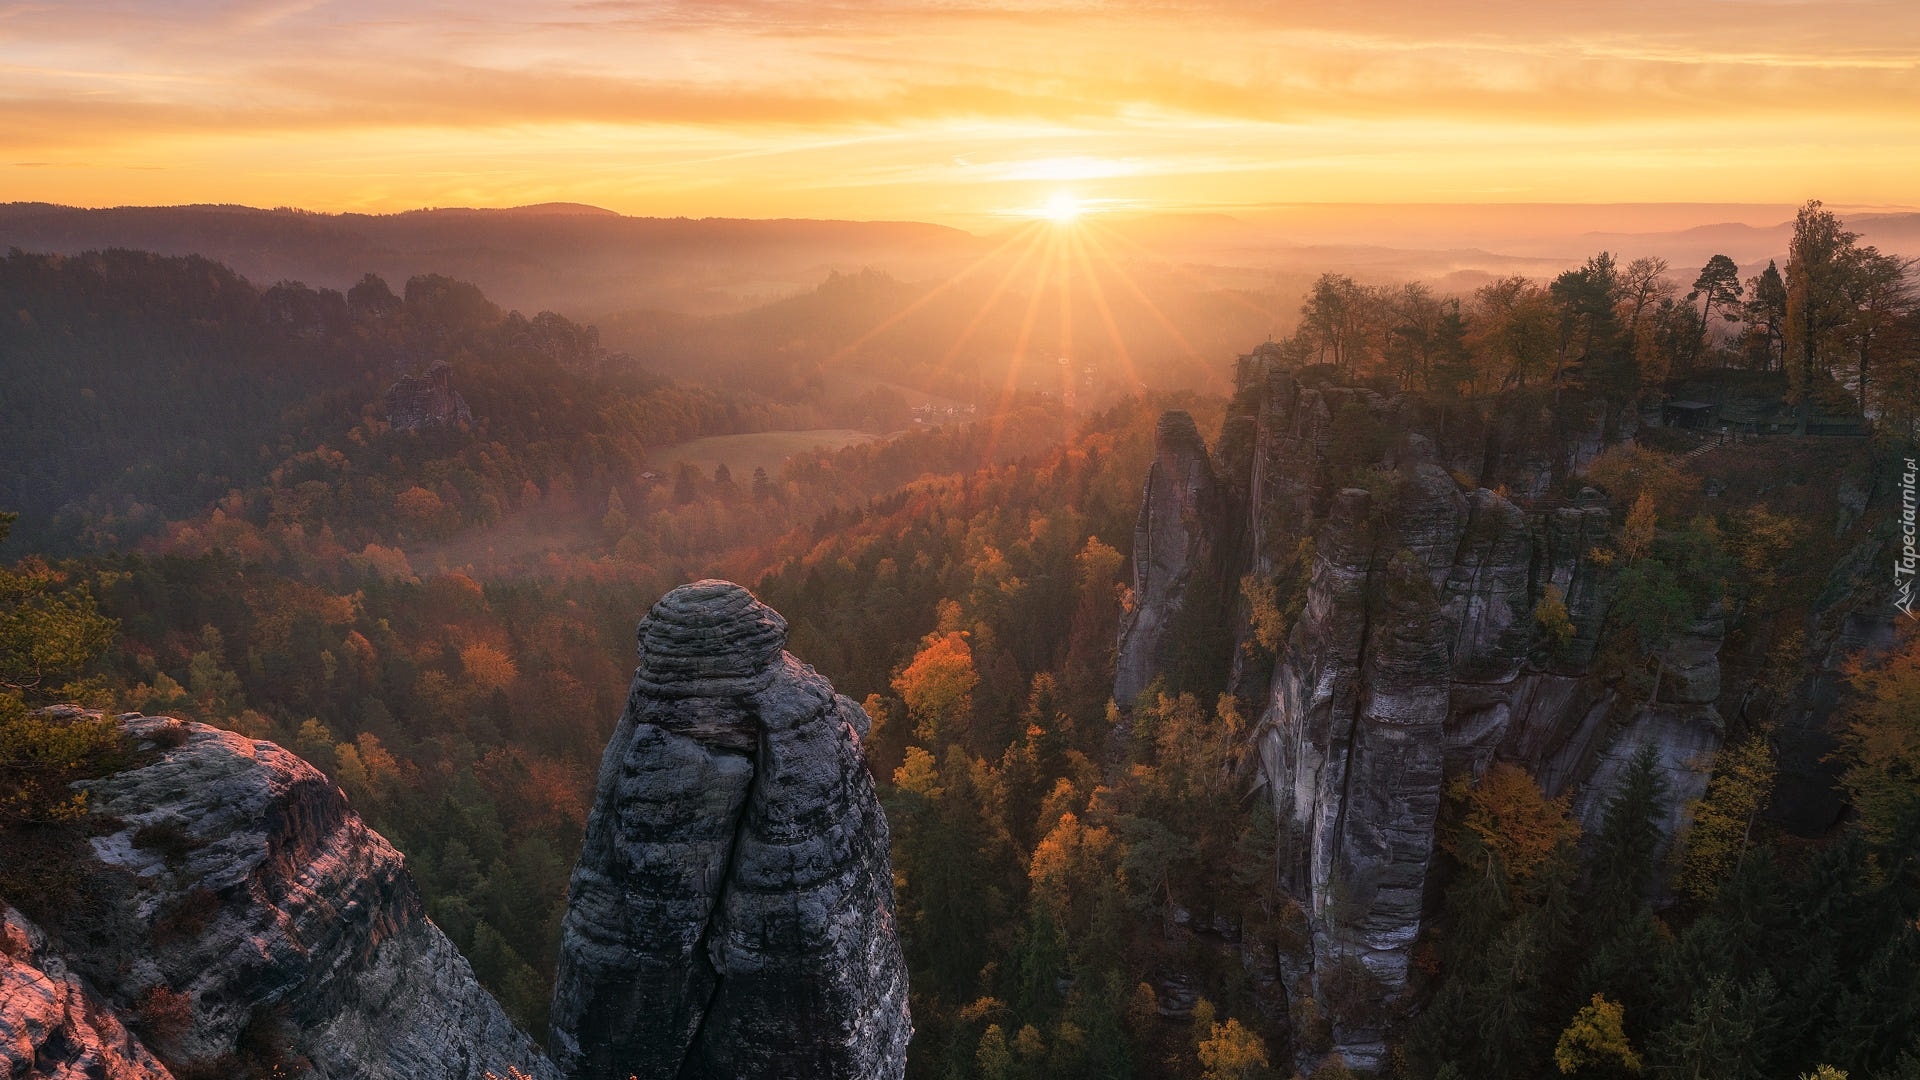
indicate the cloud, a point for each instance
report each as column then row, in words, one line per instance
column 1156, row 84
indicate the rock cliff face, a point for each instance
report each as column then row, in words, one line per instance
column 732, row 912
column 418, row 402
column 234, row 883
column 52, row 1024
column 1176, row 552
column 1417, row 652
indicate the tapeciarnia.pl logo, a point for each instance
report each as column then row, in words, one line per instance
column 1903, row 567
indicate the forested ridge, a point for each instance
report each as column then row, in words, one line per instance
column 1080, row 886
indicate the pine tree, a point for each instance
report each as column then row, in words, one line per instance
column 1622, row 874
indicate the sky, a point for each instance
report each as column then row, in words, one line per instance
column 956, row 111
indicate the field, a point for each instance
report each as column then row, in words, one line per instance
column 743, row 453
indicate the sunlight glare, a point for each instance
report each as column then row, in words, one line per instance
column 1062, row 208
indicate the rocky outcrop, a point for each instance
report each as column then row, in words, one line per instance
column 53, row 1025
column 420, row 402
column 233, row 885
column 732, row 913
column 1176, row 554
column 1420, row 650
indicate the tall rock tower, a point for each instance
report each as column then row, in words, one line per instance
column 732, row 913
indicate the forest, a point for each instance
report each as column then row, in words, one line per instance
column 245, row 540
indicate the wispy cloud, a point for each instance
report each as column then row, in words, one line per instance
column 1552, row 101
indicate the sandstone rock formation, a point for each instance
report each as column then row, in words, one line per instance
column 1418, row 651
column 732, row 912
column 52, row 1024
column 232, row 878
column 1176, row 553
column 417, row 403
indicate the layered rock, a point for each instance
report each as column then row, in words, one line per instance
column 230, row 880
column 52, row 1024
column 428, row 400
column 732, row 913
column 1177, row 553
column 1419, row 651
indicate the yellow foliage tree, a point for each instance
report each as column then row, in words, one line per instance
column 938, row 688
column 1723, row 820
column 1514, row 820
column 993, row 1060
column 1068, row 857
column 1231, row 1052
column 1596, row 1040
column 1636, row 537
column 1881, row 744
column 1554, row 619
column 489, row 668
column 1628, row 472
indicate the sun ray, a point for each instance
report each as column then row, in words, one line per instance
column 1146, row 301
column 1037, row 234
column 997, row 420
column 1099, row 296
column 1232, row 295
column 925, row 298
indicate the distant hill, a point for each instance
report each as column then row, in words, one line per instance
column 580, row 260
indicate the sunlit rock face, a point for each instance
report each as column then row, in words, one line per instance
column 53, row 1025
column 230, row 878
column 1418, row 653
column 732, row 913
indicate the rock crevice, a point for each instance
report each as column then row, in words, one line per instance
column 1420, row 648
column 732, row 911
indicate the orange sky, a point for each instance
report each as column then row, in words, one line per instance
column 955, row 111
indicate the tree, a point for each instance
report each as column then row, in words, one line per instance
column 1881, row 745
column 1231, row 1052
column 488, row 667
column 614, row 524
column 1622, row 865
column 992, row 1058
column 1636, row 536
column 1716, row 843
column 948, row 854
column 50, row 627
column 1817, row 304
column 1879, row 292
column 1718, row 290
column 1335, row 318
column 1643, row 285
column 937, row 686
column 686, row 484
column 50, row 632
column 41, row 755
column 1426, row 343
column 1513, row 328
column 1627, row 472
column 1513, row 822
column 1589, row 328
column 1766, row 315
column 1595, row 1043
column 1723, row 1033
column 1555, row 621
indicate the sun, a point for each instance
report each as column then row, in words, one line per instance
column 1062, row 208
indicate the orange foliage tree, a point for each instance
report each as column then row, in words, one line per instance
column 937, row 686
column 1513, row 820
